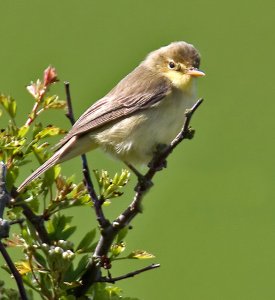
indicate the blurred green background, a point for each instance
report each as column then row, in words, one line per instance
column 210, row 219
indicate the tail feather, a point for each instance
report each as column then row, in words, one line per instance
column 59, row 156
column 43, row 168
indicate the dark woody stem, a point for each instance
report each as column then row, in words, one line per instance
column 103, row 222
column 129, row 275
column 144, row 184
column 4, row 232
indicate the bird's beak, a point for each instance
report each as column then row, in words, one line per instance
column 195, row 72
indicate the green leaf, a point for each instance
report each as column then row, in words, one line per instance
column 12, row 175
column 23, row 131
column 110, row 188
column 36, row 129
column 29, row 233
column 69, row 297
column 23, row 267
column 59, row 227
column 9, row 105
column 122, row 234
column 48, row 132
column 33, row 203
column 81, row 267
column 117, row 249
column 113, row 291
column 53, row 102
column 66, row 233
column 47, row 285
column 86, row 241
column 40, row 259
column 140, row 254
column 51, row 175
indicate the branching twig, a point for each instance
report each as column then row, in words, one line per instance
column 4, row 195
column 128, row 275
column 4, row 199
column 103, row 222
column 145, row 183
column 37, row 222
column 92, row 273
column 14, row 272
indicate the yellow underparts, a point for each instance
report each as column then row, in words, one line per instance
column 180, row 80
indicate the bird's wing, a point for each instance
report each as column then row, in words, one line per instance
column 132, row 94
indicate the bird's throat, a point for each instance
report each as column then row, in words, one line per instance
column 181, row 81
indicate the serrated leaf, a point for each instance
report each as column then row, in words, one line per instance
column 29, row 233
column 48, row 132
column 12, row 108
column 113, row 291
column 40, row 259
column 36, row 129
column 23, row 267
column 51, row 175
column 46, row 283
column 59, row 227
column 86, row 241
column 66, row 233
column 23, row 131
column 140, row 254
column 117, row 249
column 105, row 292
column 81, row 267
column 53, row 102
column 33, row 203
column 9, row 105
column 124, row 177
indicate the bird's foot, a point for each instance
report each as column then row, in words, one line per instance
column 155, row 163
column 143, row 181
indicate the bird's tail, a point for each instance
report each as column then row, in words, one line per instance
column 58, row 157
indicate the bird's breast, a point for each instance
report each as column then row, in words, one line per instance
column 134, row 138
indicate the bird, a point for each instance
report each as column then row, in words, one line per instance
column 144, row 110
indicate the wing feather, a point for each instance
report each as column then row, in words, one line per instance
column 132, row 94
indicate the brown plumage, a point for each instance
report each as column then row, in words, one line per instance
column 144, row 109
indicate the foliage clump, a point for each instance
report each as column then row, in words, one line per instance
column 51, row 264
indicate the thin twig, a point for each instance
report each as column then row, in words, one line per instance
column 128, row 275
column 70, row 112
column 37, row 222
column 4, row 199
column 14, row 272
column 92, row 273
column 4, row 195
column 103, row 222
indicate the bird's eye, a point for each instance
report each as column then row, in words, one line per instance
column 172, row 65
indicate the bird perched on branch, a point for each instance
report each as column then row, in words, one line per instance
column 145, row 109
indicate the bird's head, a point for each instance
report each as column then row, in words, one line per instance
column 179, row 62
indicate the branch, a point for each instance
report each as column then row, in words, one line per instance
column 145, row 182
column 4, row 230
column 92, row 273
column 128, row 275
column 14, row 272
column 4, row 195
column 103, row 222
column 37, row 222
